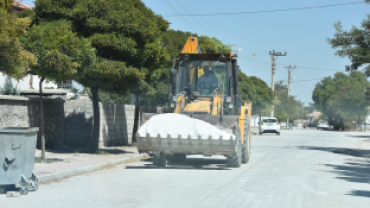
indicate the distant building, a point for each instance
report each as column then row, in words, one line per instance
column 312, row 116
column 299, row 122
column 20, row 6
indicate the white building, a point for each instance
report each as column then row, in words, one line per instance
column 29, row 82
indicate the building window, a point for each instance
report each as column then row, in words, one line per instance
column 65, row 85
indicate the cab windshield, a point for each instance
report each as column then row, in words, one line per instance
column 206, row 75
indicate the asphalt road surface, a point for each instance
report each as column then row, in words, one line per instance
column 300, row 168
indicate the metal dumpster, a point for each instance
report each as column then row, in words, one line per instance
column 17, row 157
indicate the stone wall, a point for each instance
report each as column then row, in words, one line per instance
column 24, row 112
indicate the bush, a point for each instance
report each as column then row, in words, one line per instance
column 9, row 89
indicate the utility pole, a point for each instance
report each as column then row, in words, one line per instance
column 290, row 69
column 273, row 56
column 231, row 49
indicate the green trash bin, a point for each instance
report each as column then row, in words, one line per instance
column 17, row 157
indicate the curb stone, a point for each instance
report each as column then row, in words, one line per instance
column 85, row 169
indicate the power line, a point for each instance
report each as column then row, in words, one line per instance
column 192, row 17
column 267, row 11
column 304, row 80
column 318, row 68
column 303, row 86
column 283, row 65
column 181, row 17
column 204, row 20
column 307, row 80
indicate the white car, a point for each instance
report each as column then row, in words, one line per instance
column 322, row 125
column 270, row 125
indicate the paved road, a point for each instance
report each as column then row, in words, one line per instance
column 300, row 168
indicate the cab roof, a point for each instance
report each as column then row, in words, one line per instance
column 207, row 56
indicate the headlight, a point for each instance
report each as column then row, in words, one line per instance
column 228, row 99
column 231, row 105
column 174, row 98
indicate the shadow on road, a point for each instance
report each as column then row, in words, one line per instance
column 366, row 137
column 359, row 136
column 344, row 151
column 188, row 164
column 88, row 151
column 354, row 172
column 360, row 193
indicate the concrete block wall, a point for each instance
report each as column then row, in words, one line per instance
column 78, row 122
column 116, row 123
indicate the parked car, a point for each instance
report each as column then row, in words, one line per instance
column 270, row 125
column 322, row 125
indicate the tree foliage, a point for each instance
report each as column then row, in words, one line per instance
column 14, row 60
column 256, row 91
column 353, row 44
column 61, row 54
column 343, row 97
column 287, row 107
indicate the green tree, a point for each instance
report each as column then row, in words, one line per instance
column 14, row 60
column 107, row 97
column 264, row 96
column 61, row 56
column 247, row 88
column 256, row 91
column 127, row 39
column 344, row 97
column 353, row 44
column 286, row 107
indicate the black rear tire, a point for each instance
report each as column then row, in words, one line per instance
column 159, row 158
column 3, row 189
column 246, row 153
column 236, row 161
column 176, row 157
column 246, row 143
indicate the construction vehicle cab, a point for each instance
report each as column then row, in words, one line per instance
column 199, row 77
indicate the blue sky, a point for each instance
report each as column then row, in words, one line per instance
column 300, row 33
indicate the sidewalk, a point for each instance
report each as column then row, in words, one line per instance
column 66, row 162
